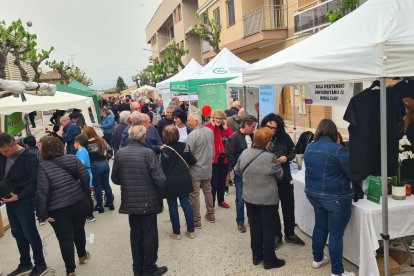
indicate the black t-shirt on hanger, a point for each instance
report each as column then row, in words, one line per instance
column 363, row 114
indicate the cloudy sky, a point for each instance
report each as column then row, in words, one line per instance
column 104, row 38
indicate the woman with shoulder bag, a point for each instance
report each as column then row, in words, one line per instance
column 220, row 163
column 260, row 172
column 97, row 148
column 175, row 161
column 63, row 200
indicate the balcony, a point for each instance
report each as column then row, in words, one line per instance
column 265, row 18
column 315, row 17
column 205, row 46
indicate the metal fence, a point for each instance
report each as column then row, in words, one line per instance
column 264, row 18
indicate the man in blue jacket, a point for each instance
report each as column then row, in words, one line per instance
column 70, row 131
column 19, row 167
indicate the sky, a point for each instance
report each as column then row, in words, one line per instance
column 104, row 38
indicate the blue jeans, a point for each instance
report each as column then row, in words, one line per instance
column 331, row 217
column 238, row 182
column 175, row 218
column 23, row 227
column 100, row 180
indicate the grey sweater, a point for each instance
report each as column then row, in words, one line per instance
column 201, row 144
column 260, row 177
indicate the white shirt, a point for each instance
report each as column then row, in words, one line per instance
column 248, row 141
column 183, row 134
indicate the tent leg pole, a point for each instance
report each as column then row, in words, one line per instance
column 294, row 113
column 384, row 173
column 244, row 98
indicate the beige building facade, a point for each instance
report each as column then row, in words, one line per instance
column 251, row 29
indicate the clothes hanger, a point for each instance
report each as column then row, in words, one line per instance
column 375, row 85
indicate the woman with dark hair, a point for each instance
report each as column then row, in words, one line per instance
column 260, row 172
column 175, row 161
column 180, row 121
column 62, row 195
column 329, row 190
column 283, row 147
column 97, row 148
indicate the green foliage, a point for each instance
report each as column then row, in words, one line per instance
column 69, row 72
column 172, row 56
column 120, row 85
column 35, row 57
column 209, row 30
column 347, row 7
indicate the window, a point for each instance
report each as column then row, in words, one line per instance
column 177, row 13
column 216, row 15
column 231, row 18
column 204, row 17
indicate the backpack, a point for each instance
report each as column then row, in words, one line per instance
column 156, row 117
column 304, row 139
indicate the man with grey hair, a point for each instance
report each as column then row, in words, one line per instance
column 124, row 118
column 153, row 139
column 201, row 144
column 135, row 120
column 139, row 199
column 68, row 133
column 234, row 110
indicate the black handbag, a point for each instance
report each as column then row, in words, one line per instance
column 6, row 188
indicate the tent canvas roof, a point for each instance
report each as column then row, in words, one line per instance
column 192, row 68
column 78, row 85
column 221, row 68
column 375, row 40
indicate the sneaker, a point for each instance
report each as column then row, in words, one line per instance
column 210, row 217
column 294, row 239
column 345, row 273
column 191, row 235
column 257, row 260
column 110, row 206
column 224, row 205
column 278, row 263
column 175, row 236
column 84, row 259
column 39, row 270
column 21, row 270
column 99, row 209
column 90, row 219
column 278, row 242
column 157, row 272
column 72, row 274
column 227, row 190
column 197, row 223
column 241, row 228
column 324, row 261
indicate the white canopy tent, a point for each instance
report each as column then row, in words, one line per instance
column 61, row 100
column 374, row 41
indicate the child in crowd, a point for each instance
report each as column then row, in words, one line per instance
column 80, row 144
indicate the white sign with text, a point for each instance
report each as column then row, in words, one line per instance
column 332, row 94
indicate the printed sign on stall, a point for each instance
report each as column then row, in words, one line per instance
column 14, row 123
column 331, row 94
column 267, row 100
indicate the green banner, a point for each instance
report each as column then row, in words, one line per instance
column 14, row 123
column 374, row 189
column 190, row 86
column 214, row 95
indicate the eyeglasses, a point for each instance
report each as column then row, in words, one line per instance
column 271, row 127
column 216, row 118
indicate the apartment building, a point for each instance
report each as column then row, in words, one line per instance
column 251, row 29
column 174, row 20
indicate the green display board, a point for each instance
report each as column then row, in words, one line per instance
column 14, row 123
column 214, row 95
column 374, row 189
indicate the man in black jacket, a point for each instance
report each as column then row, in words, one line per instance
column 236, row 144
column 139, row 199
column 19, row 167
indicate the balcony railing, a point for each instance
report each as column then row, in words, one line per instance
column 316, row 16
column 205, row 46
column 265, row 18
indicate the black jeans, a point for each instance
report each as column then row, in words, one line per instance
column 218, row 181
column 262, row 220
column 23, row 227
column 287, row 202
column 69, row 228
column 144, row 242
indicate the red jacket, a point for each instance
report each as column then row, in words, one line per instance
column 219, row 134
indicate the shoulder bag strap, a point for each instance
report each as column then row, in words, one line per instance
column 248, row 164
column 179, row 155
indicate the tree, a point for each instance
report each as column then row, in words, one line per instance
column 69, row 72
column 347, row 7
column 209, row 30
column 35, row 57
column 120, row 85
column 172, row 56
column 5, row 47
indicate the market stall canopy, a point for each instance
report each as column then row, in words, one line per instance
column 60, row 100
column 146, row 89
column 375, row 40
column 77, row 85
column 192, row 68
column 221, row 68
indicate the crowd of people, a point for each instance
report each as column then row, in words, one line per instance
column 171, row 154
